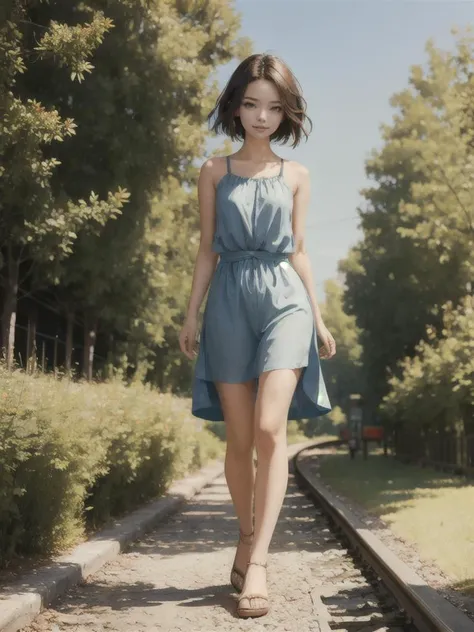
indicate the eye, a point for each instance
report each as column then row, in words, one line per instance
column 277, row 107
column 249, row 103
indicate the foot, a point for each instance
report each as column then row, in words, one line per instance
column 253, row 600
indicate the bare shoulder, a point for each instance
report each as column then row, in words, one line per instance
column 212, row 169
column 297, row 174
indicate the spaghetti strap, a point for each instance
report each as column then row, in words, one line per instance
column 228, row 165
column 281, row 168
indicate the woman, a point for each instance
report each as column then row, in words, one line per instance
column 257, row 363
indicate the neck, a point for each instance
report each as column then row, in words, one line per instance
column 256, row 150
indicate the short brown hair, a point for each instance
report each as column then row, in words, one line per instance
column 271, row 68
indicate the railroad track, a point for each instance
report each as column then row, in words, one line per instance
column 323, row 577
column 402, row 599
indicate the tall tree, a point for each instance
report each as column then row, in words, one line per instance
column 403, row 270
column 36, row 223
column 139, row 119
column 146, row 130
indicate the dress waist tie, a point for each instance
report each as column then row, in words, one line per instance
column 265, row 255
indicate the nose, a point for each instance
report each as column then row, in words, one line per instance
column 262, row 116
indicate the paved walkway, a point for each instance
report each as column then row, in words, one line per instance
column 177, row 577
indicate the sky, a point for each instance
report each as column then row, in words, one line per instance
column 350, row 57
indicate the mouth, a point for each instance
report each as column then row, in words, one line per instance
column 260, row 127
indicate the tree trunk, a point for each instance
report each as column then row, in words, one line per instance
column 31, row 343
column 9, row 309
column 90, row 327
column 55, row 355
column 69, row 341
column 110, row 358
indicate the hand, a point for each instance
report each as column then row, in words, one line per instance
column 187, row 337
column 328, row 350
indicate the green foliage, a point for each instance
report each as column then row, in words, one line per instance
column 99, row 198
column 32, row 216
column 436, row 386
column 294, row 433
column 142, row 113
column 39, row 221
column 74, row 454
column 326, row 425
column 343, row 373
column 72, row 45
column 440, row 214
column 160, row 250
column 417, row 249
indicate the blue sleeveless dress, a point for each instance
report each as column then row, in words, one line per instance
column 258, row 314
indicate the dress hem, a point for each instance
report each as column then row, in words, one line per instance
column 254, row 376
column 310, row 398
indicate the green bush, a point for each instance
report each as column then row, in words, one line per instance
column 74, row 454
column 325, row 425
column 294, row 432
column 435, row 388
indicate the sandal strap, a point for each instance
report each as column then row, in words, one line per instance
column 253, row 596
column 264, row 564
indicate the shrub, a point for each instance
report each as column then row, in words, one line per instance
column 436, row 386
column 74, row 454
column 329, row 424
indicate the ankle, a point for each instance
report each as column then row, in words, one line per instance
column 245, row 537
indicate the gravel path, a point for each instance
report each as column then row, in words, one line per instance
column 177, row 578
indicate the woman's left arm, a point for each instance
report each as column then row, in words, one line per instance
column 300, row 259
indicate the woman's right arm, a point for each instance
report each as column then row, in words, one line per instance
column 206, row 258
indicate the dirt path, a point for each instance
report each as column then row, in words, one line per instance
column 177, row 577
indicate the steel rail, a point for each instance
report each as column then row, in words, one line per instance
column 429, row 611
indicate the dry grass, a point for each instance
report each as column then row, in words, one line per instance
column 433, row 510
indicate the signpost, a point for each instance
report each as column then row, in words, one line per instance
column 357, row 432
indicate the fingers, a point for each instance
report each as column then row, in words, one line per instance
column 194, row 349
column 183, row 342
column 328, row 350
column 187, row 347
column 183, row 345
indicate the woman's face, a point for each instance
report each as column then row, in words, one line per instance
column 261, row 111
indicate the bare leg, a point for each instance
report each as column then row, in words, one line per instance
column 238, row 405
column 275, row 392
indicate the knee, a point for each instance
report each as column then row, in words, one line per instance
column 269, row 436
column 240, row 446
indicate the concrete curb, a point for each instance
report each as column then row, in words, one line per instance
column 23, row 600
